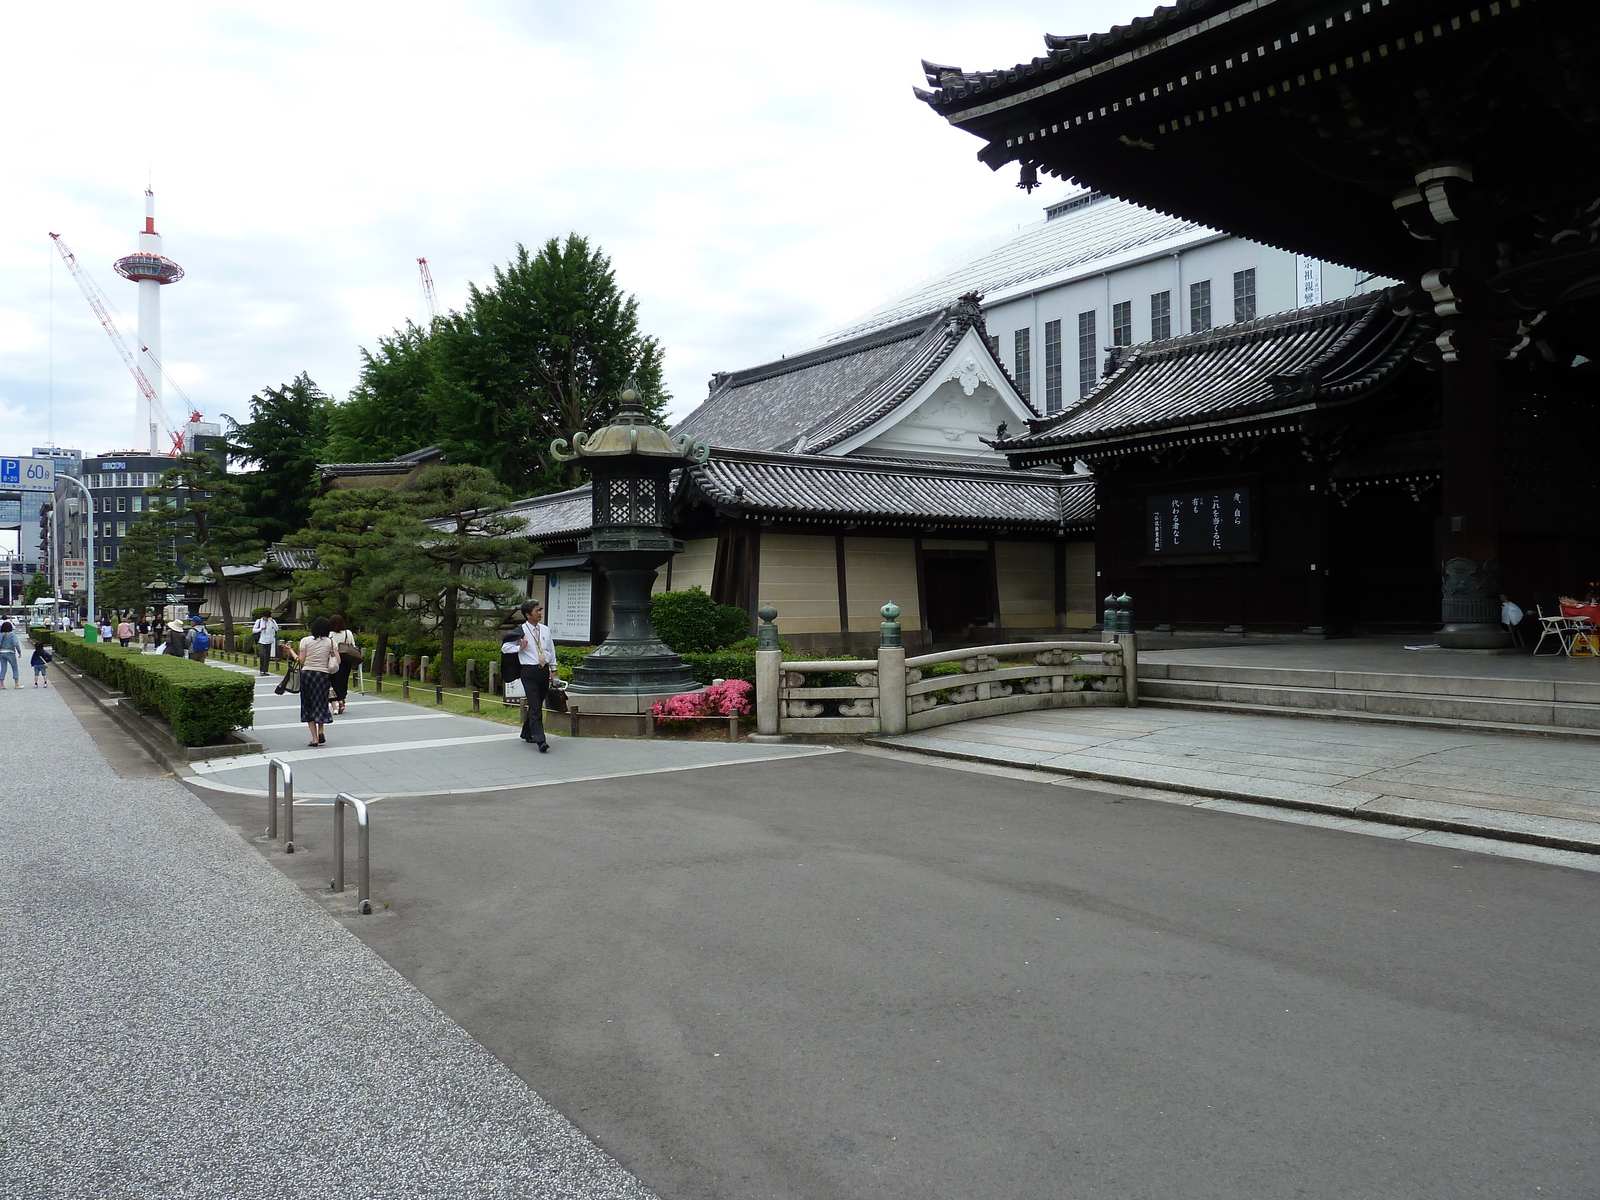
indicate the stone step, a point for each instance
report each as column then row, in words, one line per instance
column 1578, row 733
column 1548, row 691
column 1493, row 709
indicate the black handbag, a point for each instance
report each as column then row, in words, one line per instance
column 290, row 681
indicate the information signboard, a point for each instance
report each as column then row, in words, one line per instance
column 74, row 575
column 27, row 474
column 1201, row 522
column 568, row 613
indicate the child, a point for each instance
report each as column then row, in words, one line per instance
column 41, row 664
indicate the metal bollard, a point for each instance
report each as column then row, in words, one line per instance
column 363, row 850
column 438, row 694
column 475, row 700
column 277, row 768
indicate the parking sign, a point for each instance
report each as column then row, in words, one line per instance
column 27, row 474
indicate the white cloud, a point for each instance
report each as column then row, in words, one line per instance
column 756, row 172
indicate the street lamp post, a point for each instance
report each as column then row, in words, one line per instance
column 88, row 524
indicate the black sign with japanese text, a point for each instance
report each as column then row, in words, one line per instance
column 1209, row 522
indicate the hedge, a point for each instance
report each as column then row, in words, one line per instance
column 41, row 635
column 202, row 704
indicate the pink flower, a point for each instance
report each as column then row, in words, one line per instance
column 730, row 698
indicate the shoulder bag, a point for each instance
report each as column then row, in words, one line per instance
column 290, row 681
column 350, row 652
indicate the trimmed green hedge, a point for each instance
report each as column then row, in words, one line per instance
column 41, row 635
column 202, row 704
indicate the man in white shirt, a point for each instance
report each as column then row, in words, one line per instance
column 536, row 662
column 265, row 631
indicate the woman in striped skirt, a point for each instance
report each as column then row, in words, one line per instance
column 318, row 658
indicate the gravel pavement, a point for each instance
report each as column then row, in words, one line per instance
column 180, row 1020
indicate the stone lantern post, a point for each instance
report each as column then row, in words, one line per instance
column 631, row 463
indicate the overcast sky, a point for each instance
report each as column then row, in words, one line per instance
column 758, row 173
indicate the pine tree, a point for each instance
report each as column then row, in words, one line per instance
column 471, row 550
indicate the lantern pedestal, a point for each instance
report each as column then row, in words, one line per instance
column 632, row 662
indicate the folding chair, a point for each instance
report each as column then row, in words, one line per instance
column 1563, row 628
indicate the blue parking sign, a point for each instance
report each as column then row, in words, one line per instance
column 10, row 471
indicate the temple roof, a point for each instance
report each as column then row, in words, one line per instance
column 1300, row 123
column 1233, row 376
column 558, row 517
column 811, row 401
column 807, row 487
column 827, row 488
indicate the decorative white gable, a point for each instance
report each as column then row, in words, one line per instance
column 962, row 402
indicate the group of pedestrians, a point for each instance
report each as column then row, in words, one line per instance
column 11, row 658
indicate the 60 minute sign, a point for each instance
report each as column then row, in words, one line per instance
column 27, row 474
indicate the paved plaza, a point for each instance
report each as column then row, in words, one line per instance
column 385, row 748
column 1545, row 788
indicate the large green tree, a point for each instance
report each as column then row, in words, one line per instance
column 542, row 351
column 470, row 552
column 38, row 588
column 283, row 441
column 208, row 522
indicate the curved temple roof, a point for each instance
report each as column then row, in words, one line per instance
column 1283, row 364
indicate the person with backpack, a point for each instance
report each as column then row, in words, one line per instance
column 10, row 652
column 198, row 640
column 41, row 665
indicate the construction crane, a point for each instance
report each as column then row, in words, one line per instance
column 427, row 289
column 97, row 302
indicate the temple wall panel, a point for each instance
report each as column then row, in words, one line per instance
column 877, row 571
column 799, row 577
column 692, row 568
column 1026, row 576
column 1082, row 592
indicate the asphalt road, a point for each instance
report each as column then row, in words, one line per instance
column 846, row 976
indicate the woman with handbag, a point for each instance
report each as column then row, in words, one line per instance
column 349, row 655
column 318, row 658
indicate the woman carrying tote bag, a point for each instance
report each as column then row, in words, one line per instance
column 318, row 658
column 344, row 644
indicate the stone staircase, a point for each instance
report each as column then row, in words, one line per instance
column 1546, row 707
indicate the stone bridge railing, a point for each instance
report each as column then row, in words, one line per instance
column 893, row 694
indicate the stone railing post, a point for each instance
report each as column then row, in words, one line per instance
column 891, row 673
column 1130, row 668
column 769, row 676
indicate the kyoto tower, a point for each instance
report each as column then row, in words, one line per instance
column 150, row 269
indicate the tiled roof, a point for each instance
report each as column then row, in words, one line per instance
column 812, row 487
column 399, row 465
column 558, row 517
column 1102, row 234
column 1064, row 55
column 1287, row 362
column 880, row 491
column 813, row 400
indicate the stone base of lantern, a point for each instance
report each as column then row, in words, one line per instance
column 597, row 714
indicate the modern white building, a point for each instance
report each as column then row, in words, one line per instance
column 1098, row 273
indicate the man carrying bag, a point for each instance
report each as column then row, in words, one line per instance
column 265, row 631
column 536, row 666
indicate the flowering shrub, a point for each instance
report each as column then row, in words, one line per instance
column 681, row 707
column 730, row 698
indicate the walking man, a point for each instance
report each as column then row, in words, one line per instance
column 265, row 631
column 536, row 665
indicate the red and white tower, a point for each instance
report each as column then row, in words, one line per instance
column 150, row 269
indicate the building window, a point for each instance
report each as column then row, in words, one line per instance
column 1160, row 316
column 105, row 553
column 1122, row 323
column 122, row 529
column 1022, row 360
column 1200, row 306
column 1244, row 295
column 122, row 504
column 1087, row 364
column 138, row 504
column 1052, row 366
